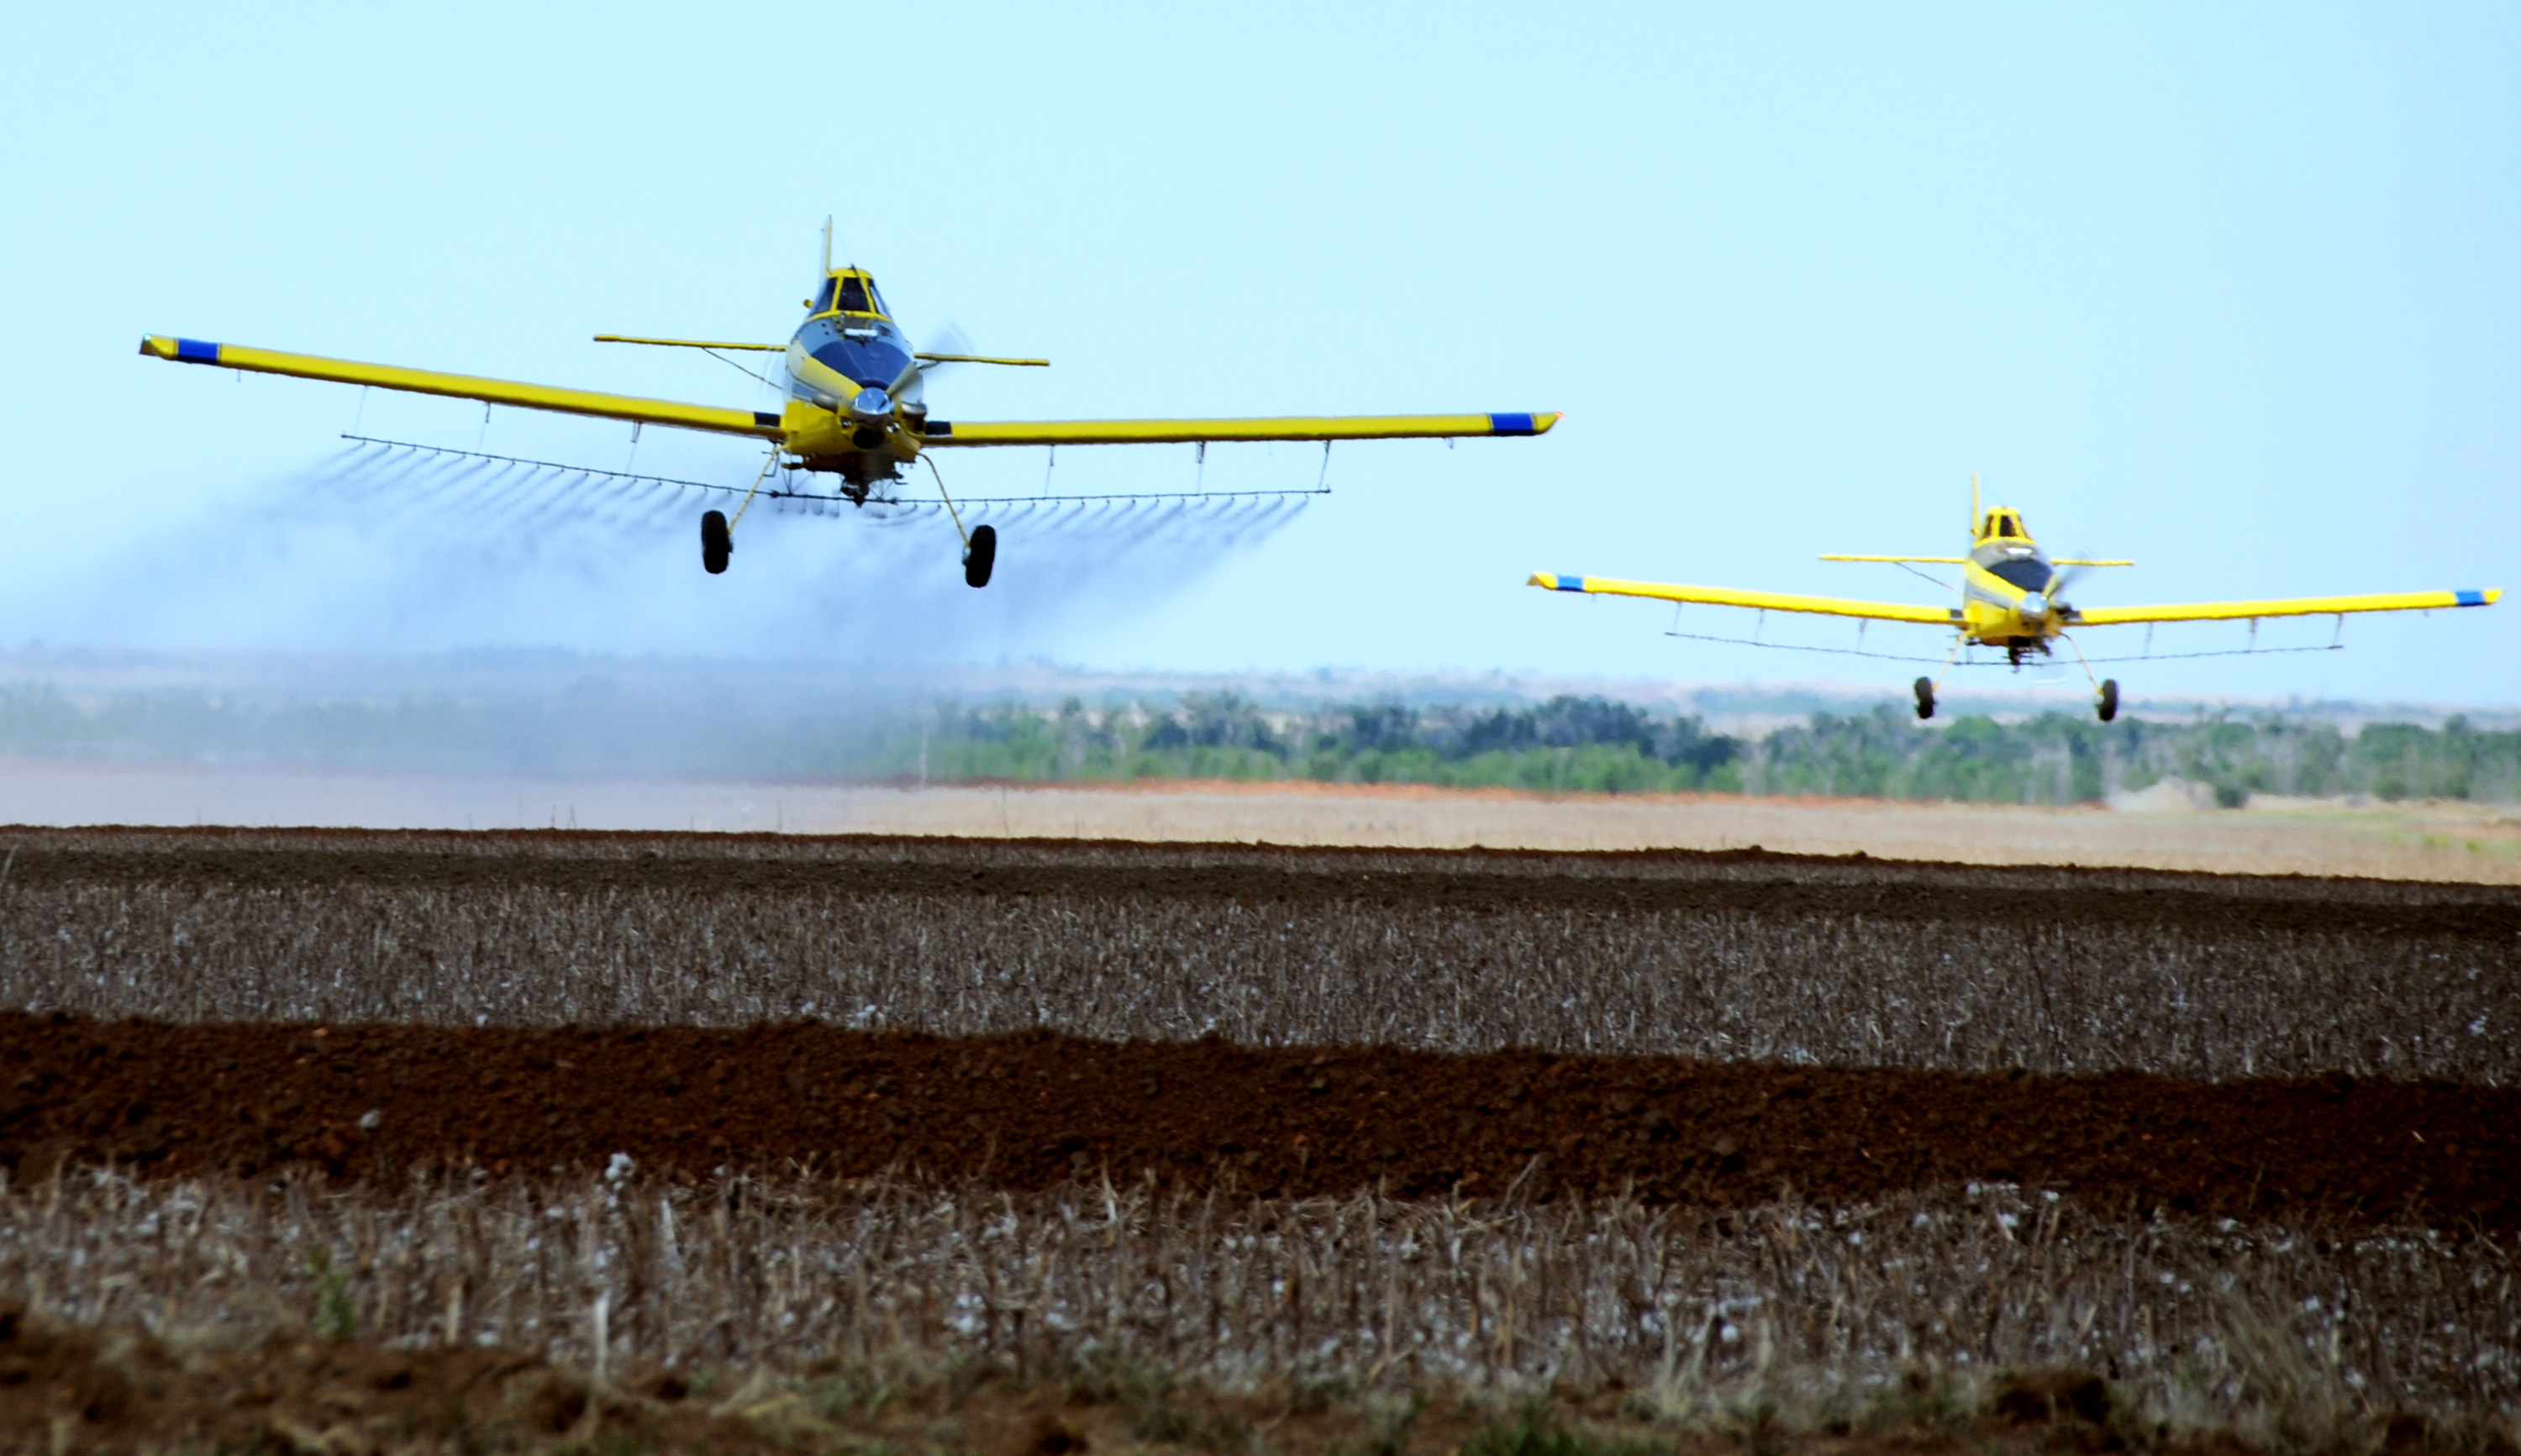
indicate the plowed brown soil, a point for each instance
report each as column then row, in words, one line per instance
column 1029, row 1111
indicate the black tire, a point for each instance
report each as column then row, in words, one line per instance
column 980, row 556
column 715, row 543
column 2108, row 707
column 1925, row 697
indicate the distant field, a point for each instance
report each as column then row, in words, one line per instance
column 2429, row 841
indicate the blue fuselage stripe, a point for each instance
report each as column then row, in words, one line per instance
column 876, row 358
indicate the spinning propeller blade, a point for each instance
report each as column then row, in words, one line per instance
column 949, row 340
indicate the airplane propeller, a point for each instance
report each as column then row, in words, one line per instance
column 906, row 386
column 2062, row 578
column 2051, row 597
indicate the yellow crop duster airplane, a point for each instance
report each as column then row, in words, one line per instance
column 854, row 408
column 2011, row 598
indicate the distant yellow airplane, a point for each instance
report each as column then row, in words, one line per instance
column 2010, row 598
column 854, row 408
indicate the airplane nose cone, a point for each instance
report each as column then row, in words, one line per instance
column 2035, row 604
column 871, row 407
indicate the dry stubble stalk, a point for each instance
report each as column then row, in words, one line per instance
column 2206, row 1326
column 1716, row 984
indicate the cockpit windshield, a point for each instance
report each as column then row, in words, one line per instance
column 2028, row 572
column 851, row 293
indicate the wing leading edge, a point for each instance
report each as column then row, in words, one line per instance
column 1189, row 431
column 764, row 424
column 2106, row 616
column 1717, row 596
column 760, row 424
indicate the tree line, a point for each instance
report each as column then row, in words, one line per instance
column 1566, row 745
column 1593, row 744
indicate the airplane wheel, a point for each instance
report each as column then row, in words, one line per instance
column 1925, row 697
column 2108, row 707
column 715, row 543
column 980, row 556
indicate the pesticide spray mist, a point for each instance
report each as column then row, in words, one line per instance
column 393, row 549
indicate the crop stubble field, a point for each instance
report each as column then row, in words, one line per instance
column 1723, row 1128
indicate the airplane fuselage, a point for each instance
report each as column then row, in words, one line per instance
column 2008, row 588
column 843, row 363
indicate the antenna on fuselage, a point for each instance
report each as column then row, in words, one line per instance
column 1973, row 530
column 827, row 244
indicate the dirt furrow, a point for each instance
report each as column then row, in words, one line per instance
column 1469, row 881
column 1034, row 1110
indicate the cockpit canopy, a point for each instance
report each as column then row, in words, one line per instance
column 848, row 291
column 2003, row 524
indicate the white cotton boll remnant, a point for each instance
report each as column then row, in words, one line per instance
column 371, row 1119
column 619, row 1169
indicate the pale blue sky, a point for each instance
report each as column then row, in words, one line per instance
column 2230, row 290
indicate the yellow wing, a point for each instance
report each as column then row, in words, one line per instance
column 698, row 344
column 1183, row 431
column 1717, row 596
column 1957, row 561
column 756, row 423
column 1940, row 561
column 2107, row 617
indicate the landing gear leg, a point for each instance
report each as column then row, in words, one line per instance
column 2105, row 691
column 979, row 543
column 717, row 533
column 1925, row 687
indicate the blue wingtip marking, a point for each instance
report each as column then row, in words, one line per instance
column 1511, row 425
column 1568, row 582
column 2471, row 598
column 194, row 351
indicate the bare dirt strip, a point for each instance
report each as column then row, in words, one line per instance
column 1034, row 1109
